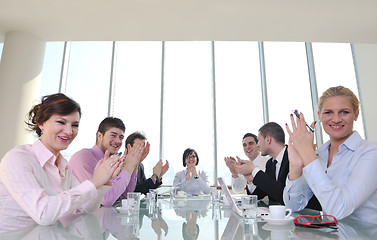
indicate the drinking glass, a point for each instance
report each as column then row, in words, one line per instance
column 216, row 197
column 133, row 201
column 249, row 205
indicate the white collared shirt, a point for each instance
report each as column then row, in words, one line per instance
column 279, row 158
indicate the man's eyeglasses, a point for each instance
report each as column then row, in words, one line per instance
column 318, row 221
column 191, row 157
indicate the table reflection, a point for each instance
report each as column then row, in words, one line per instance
column 74, row 226
column 121, row 226
column 347, row 229
column 191, row 210
column 184, row 219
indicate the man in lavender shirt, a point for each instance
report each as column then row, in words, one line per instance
column 110, row 136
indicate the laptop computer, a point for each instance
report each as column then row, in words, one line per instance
column 229, row 197
column 261, row 211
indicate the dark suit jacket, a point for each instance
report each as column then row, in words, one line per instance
column 143, row 184
column 267, row 186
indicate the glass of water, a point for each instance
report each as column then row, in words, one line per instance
column 249, row 205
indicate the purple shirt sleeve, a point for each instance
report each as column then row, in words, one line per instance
column 83, row 163
column 131, row 186
column 118, row 189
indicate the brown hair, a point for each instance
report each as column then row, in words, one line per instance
column 51, row 104
column 110, row 122
column 274, row 130
column 133, row 136
column 339, row 91
column 187, row 152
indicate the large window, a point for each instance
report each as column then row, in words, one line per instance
column 52, row 67
column 201, row 95
column 287, row 81
column 137, row 92
column 188, row 104
column 238, row 98
column 334, row 66
column 88, row 82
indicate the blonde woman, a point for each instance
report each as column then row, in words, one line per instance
column 342, row 172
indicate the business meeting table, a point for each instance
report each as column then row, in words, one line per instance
column 192, row 217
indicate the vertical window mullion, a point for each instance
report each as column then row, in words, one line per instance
column 214, row 115
column 162, row 100
column 358, row 90
column 65, row 66
column 112, row 82
column 313, row 90
column 263, row 82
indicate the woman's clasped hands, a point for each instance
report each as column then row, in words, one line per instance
column 191, row 171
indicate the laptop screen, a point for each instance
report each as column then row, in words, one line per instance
column 229, row 197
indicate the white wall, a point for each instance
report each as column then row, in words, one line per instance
column 366, row 60
column 20, row 69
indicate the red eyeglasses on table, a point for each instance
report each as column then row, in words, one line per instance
column 317, row 221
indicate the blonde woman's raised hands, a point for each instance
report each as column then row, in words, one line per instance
column 300, row 142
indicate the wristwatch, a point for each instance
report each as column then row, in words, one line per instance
column 155, row 176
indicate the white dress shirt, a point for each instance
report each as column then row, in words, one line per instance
column 279, row 158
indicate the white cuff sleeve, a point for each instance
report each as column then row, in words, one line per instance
column 255, row 171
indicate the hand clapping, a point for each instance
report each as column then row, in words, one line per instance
column 244, row 167
column 106, row 168
column 300, row 146
column 134, row 156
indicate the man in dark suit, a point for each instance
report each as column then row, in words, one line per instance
column 271, row 183
column 143, row 184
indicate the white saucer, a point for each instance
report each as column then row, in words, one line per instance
column 278, row 221
column 272, row 227
column 122, row 210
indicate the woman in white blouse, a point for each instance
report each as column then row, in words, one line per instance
column 191, row 180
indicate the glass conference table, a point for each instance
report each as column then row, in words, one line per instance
column 183, row 218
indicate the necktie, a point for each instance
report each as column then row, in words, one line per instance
column 273, row 168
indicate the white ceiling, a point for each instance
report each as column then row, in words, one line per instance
column 267, row 20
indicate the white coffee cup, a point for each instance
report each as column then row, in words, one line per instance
column 181, row 193
column 279, row 212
